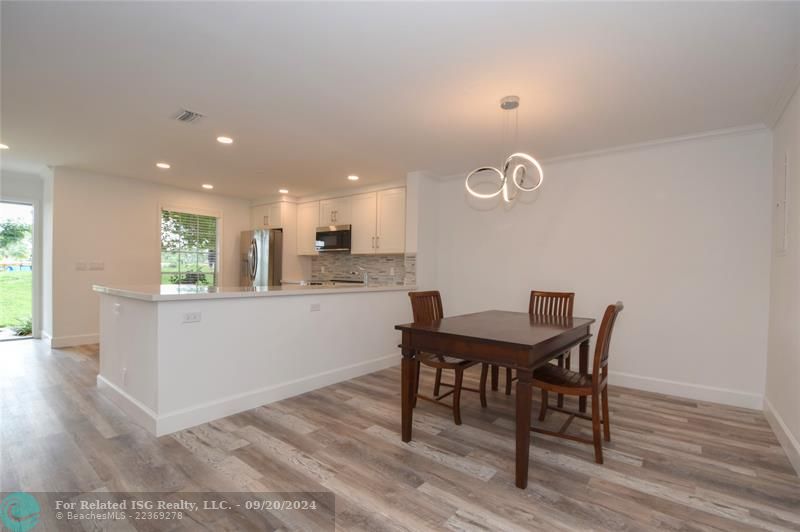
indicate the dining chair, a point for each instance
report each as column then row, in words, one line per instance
column 558, row 304
column 550, row 378
column 427, row 307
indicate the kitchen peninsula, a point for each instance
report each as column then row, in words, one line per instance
column 176, row 356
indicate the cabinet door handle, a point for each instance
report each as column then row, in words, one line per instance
column 373, row 242
column 266, row 220
column 377, row 242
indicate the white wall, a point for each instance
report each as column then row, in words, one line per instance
column 29, row 188
column 116, row 221
column 678, row 231
column 782, row 403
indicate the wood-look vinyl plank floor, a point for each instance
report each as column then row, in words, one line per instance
column 672, row 464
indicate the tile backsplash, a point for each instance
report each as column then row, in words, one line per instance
column 382, row 269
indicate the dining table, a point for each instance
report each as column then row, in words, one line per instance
column 516, row 340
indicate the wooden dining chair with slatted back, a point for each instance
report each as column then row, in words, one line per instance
column 549, row 304
column 550, row 378
column 427, row 307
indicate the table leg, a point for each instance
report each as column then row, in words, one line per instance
column 523, row 426
column 495, row 376
column 583, row 367
column 408, row 372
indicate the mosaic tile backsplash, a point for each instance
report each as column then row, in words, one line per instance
column 382, row 269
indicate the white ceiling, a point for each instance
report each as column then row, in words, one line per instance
column 314, row 92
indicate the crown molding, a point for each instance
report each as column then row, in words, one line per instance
column 731, row 131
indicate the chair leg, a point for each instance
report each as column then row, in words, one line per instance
column 484, row 375
column 438, row 382
column 598, row 443
column 457, row 396
column 416, row 386
column 495, row 376
column 543, row 410
column 561, row 395
column 508, row 381
column 606, row 420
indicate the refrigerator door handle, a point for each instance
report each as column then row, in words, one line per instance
column 253, row 259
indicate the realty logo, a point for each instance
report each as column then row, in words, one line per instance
column 20, row 512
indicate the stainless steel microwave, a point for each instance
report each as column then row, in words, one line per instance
column 333, row 238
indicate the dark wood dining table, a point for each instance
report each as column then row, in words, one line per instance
column 516, row 340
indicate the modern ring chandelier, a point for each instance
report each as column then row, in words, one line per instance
column 520, row 170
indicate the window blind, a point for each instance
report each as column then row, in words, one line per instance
column 188, row 248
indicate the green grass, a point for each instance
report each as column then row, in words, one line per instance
column 15, row 297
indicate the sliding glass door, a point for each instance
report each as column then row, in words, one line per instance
column 16, row 270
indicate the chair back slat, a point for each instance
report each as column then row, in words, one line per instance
column 551, row 303
column 426, row 306
column 601, row 348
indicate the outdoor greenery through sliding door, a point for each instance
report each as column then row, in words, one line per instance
column 16, row 270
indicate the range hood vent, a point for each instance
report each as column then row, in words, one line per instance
column 187, row 116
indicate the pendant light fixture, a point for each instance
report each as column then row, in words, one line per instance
column 520, row 172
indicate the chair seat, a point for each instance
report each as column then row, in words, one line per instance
column 444, row 361
column 553, row 377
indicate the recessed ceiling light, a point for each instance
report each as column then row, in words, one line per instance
column 352, row 177
column 163, row 166
column 3, row 147
column 283, row 190
column 207, row 186
column 225, row 140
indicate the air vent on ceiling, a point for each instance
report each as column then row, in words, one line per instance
column 185, row 115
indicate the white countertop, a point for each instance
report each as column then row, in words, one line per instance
column 171, row 292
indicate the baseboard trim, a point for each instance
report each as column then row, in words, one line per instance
column 787, row 440
column 57, row 342
column 170, row 422
column 690, row 391
column 140, row 413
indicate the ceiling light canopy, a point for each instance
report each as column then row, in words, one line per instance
column 352, row 177
column 225, row 140
column 3, row 147
column 283, row 190
column 163, row 166
column 207, row 186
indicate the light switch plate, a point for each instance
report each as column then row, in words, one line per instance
column 315, row 307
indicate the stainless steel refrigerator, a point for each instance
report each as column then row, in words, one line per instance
column 262, row 252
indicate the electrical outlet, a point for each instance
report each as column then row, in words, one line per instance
column 322, row 269
column 80, row 266
column 315, row 307
column 391, row 270
column 116, row 308
column 192, row 317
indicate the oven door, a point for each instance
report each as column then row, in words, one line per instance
column 333, row 238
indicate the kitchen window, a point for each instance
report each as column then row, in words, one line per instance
column 189, row 248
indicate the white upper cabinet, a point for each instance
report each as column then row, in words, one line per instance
column 335, row 211
column 364, row 222
column 379, row 222
column 268, row 216
column 307, row 223
column 391, row 230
